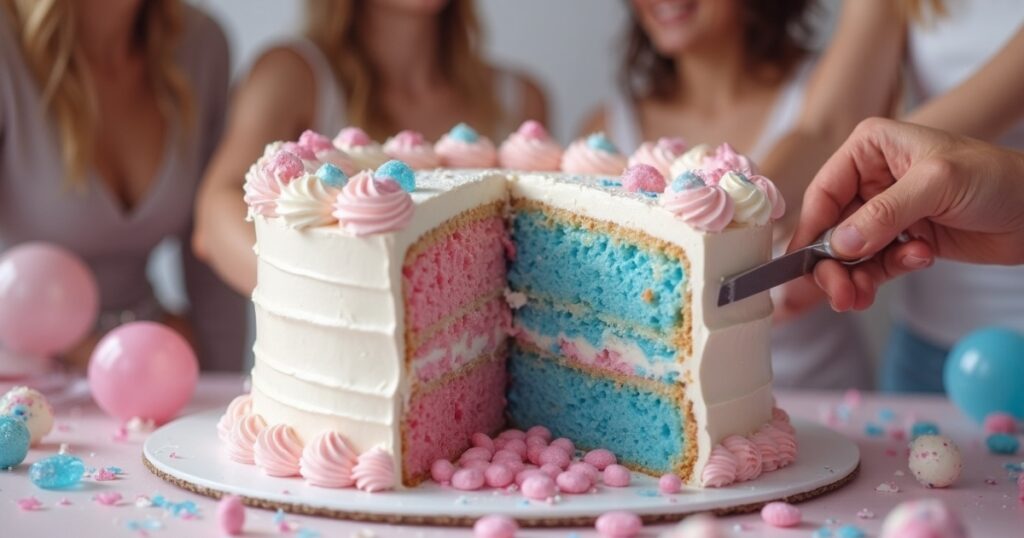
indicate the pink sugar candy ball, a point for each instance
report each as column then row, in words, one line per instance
column 539, row 431
column 499, row 443
column 512, row 434
column 600, row 458
column 475, row 464
column 498, row 475
column 516, row 445
column 468, row 479
column 535, row 440
column 616, row 476
column 618, row 525
column 565, row 444
column 538, row 487
column 495, row 527
column 441, row 471
column 573, row 482
column 1000, row 423
column 551, row 469
column 523, row 475
column 670, row 483
column 482, row 440
column 555, row 455
column 476, row 453
column 533, row 453
column 643, row 177
column 504, row 455
column 587, row 469
column 780, row 514
column 231, row 515
column 514, row 466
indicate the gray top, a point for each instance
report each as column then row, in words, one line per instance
column 37, row 205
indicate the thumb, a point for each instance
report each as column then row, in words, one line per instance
column 877, row 223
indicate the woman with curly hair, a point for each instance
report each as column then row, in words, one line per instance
column 716, row 71
column 109, row 112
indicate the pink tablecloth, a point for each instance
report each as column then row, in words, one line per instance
column 985, row 495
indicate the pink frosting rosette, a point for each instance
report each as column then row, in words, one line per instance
column 374, row 471
column 278, row 450
column 360, row 148
column 705, row 207
column 324, row 151
column 748, row 457
column 769, row 451
column 411, row 148
column 237, row 409
column 265, row 179
column 327, row 461
column 725, row 159
column 368, row 206
column 530, row 148
column 660, row 154
column 772, row 193
column 462, row 147
column 785, row 444
column 720, row 470
column 243, row 438
column 595, row 155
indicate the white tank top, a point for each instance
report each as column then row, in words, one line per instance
column 951, row 299
column 329, row 111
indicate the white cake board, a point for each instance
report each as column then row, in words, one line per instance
column 188, row 453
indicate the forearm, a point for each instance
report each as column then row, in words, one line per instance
column 224, row 239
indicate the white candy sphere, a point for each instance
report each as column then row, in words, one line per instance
column 935, row 461
column 923, row 517
column 31, row 405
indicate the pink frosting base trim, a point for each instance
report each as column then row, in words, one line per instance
column 738, row 458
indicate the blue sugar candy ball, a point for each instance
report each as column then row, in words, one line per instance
column 464, row 133
column 332, row 176
column 14, row 441
column 849, row 531
column 400, row 172
column 923, row 428
column 1001, row 443
column 57, row 472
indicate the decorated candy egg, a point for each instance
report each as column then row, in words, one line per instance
column 935, row 461
column 31, row 406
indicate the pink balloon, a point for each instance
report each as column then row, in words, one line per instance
column 49, row 299
column 144, row 370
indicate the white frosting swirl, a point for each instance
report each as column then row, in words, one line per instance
column 693, row 159
column 751, row 205
column 307, row 202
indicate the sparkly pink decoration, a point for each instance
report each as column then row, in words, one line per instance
column 600, row 458
column 243, row 438
column 539, row 487
column 303, row 152
column 573, row 482
column 670, row 483
column 374, row 471
column 618, row 525
column 367, row 206
column 278, row 450
column 231, row 515
column 643, row 177
column 659, row 154
column 587, row 469
column 720, row 469
column 495, row 527
column 327, row 461
column 780, row 514
column 616, row 476
column 263, row 184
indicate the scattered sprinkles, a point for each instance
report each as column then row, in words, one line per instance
column 1002, row 443
column 921, row 427
column 887, row 487
column 849, row 531
column 107, row 498
column 864, row 513
column 29, row 504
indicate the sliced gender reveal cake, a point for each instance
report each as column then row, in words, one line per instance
column 399, row 312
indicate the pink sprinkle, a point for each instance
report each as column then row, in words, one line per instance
column 674, row 145
column 231, row 515
column 556, row 456
column 643, row 177
column 539, row 431
column 587, row 469
column 103, row 475
column 573, row 482
column 64, row 501
column 898, row 434
column 565, row 444
column 533, row 130
column 353, row 136
column 616, row 476
column 516, row 445
column 891, row 452
column 538, row 487
column 482, row 440
column 174, row 456
column 64, row 427
column 523, row 475
column 285, row 165
column 512, row 434
column 107, row 498
column 498, row 475
column 495, row 527
column 479, row 465
column 533, row 452
column 551, row 469
column 600, row 458
column 441, row 471
column 468, row 479
column 476, row 453
column 618, row 525
column 120, row 434
column 29, row 504
column 670, row 483
column 852, row 398
column 409, row 138
column 300, row 151
column 504, row 455
column 780, row 514
column 1000, row 423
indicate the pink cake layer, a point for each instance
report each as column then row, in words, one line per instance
column 439, row 423
column 452, row 273
column 479, row 333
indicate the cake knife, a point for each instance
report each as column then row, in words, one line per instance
column 782, row 269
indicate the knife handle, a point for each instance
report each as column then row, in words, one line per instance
column 823, row 247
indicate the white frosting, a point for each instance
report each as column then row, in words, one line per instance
column 693, row 159
column 306, row 202
column 330, row 321
column 752, row 206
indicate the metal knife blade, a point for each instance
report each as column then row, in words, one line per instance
column 767, row 276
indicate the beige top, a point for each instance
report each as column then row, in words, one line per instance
column 36, row 205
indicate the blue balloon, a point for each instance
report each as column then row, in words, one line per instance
column 984, row 373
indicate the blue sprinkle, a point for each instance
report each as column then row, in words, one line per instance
column 886, row 415
column 873, row 430
column 332, row 176
column 307, row 533
column 649, row 194
column 648, row 493
column 114, row 469
column 849, row 531
column 610, row 183
column 686, row 181
column 60, row 471
column 278, row 517
column 601, row 142
column 158, row 500
column 922, row 427
column 464, row 133
column 1001, row 443
column 1014, row 467
column 400, row 172
column 822, row 532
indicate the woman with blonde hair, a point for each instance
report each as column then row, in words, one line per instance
column 109, row 112
column 381, row 65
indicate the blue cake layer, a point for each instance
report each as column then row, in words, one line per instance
column 544, row 319
column 569, row 264
column 641, row 427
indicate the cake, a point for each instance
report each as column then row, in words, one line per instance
column 399, row 313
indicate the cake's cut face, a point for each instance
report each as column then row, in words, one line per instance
column 399, row 313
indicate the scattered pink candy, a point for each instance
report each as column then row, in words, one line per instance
column 565, row 444
column 483, row 441
column 29, row 504
column 616, row 476
column 231, row 515
column 780, row 514
column 441, row 471
column 107, row 498
column 535, row 440
column 573, row 482
column 618, row 525
column 495, row 527
column 103, row 475
column 539, row 487
column 523, row 475
column 498, row 475
column 539, row 431
column 587, row 469
column 533, row 452
column 512, row 434
column 64, row 501
column 468, row 479
column 551, row 469
column 600, row 458
column 476, row 453
column 516, row 445
column 1000, row 423
column 556, row 456
column 670, row 483
column 479, row 465
column 503, row 456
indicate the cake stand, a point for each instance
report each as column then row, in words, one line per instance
column 188, row 454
